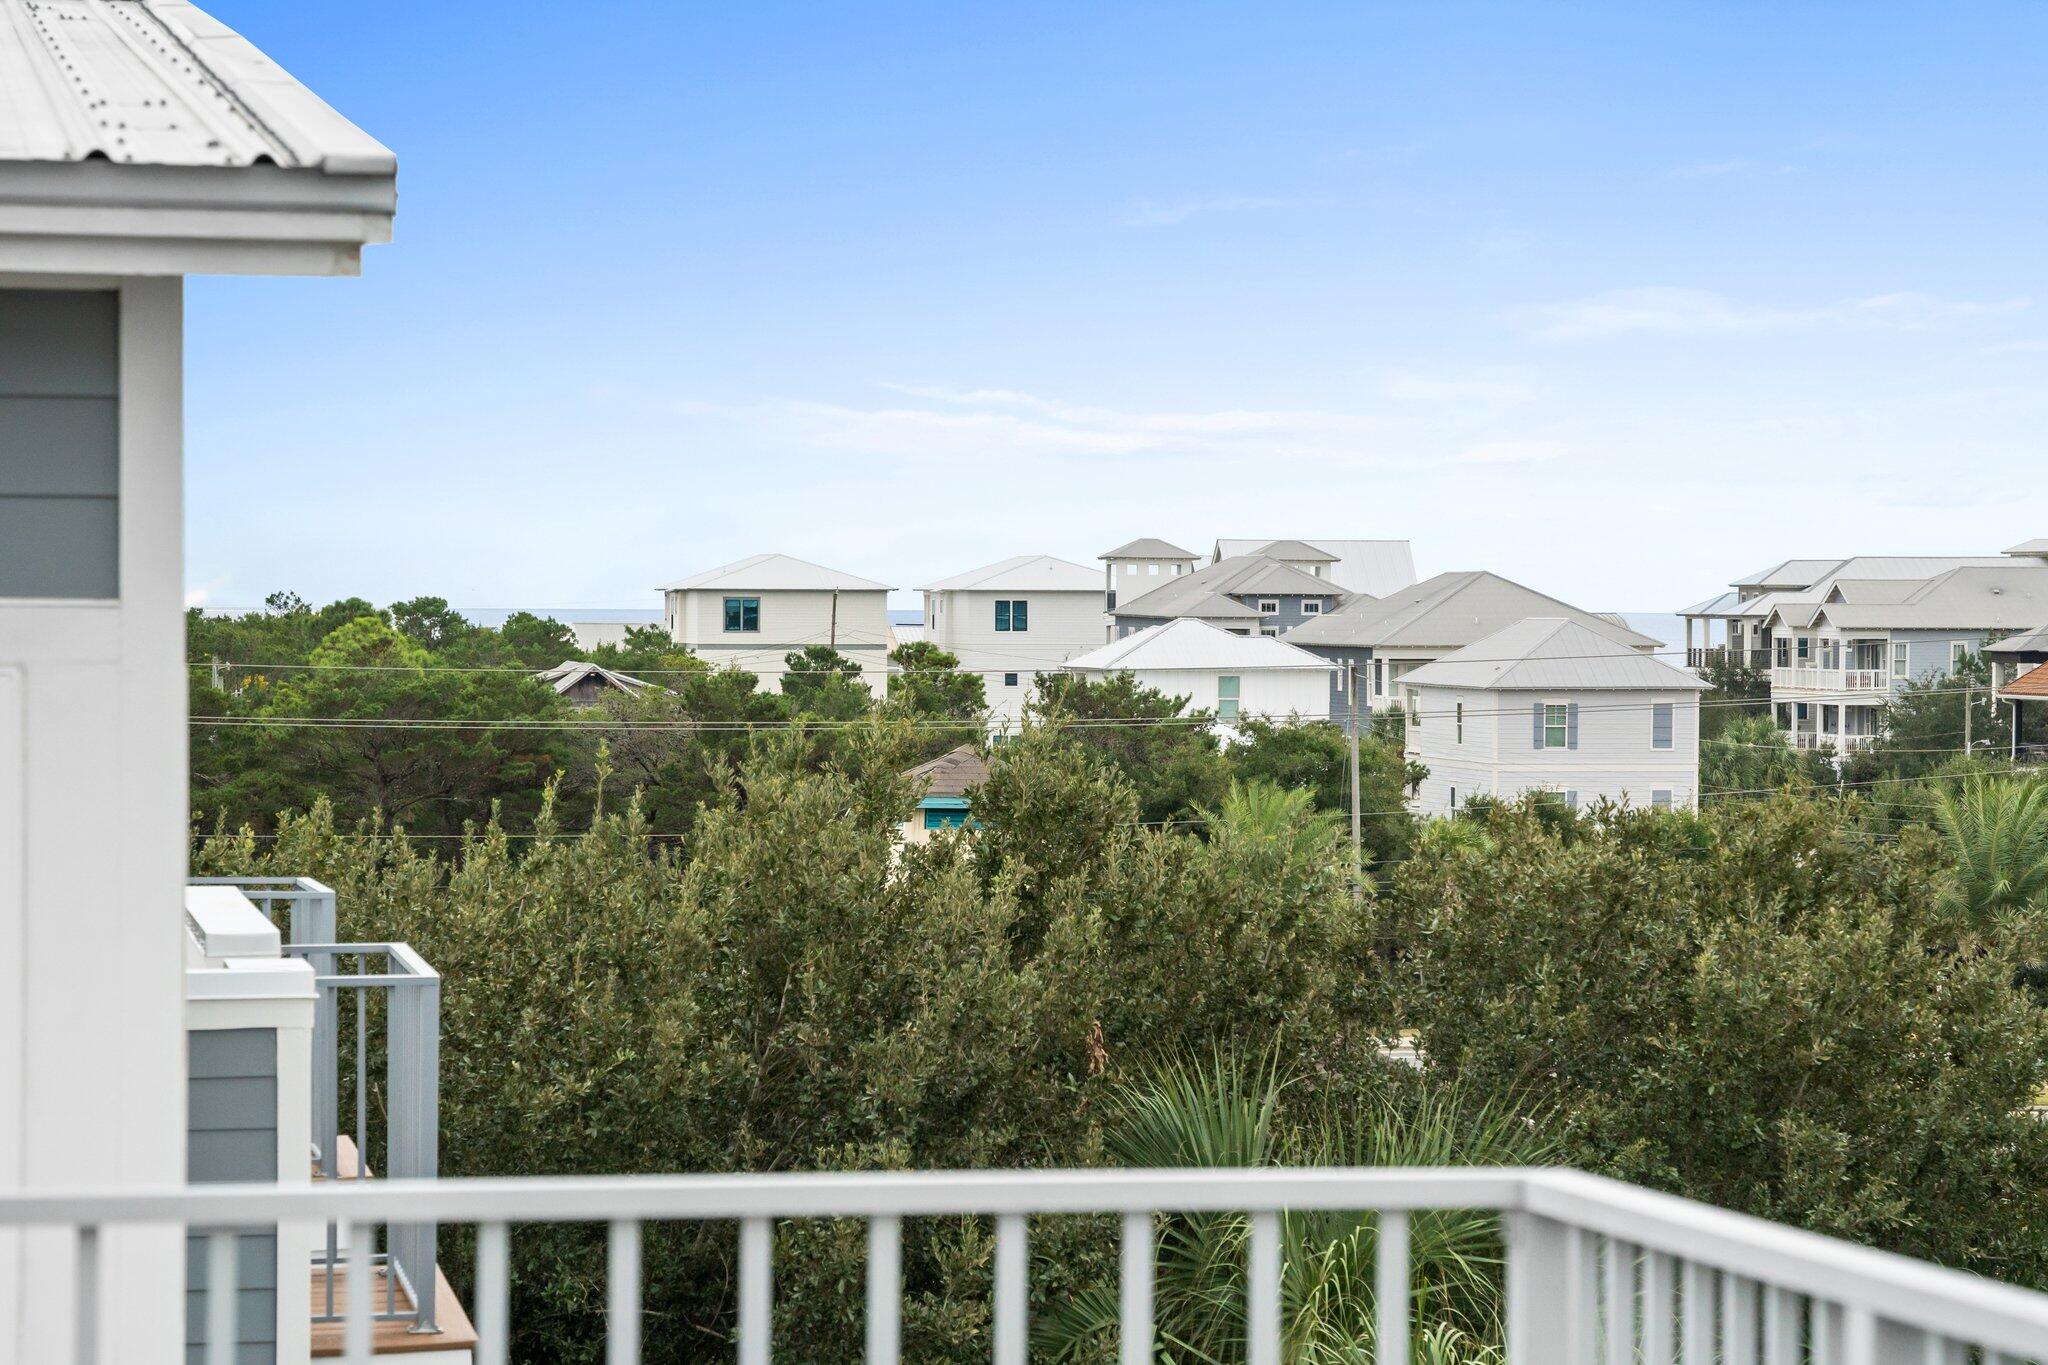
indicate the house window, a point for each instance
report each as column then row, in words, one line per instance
column 1013, row 614
column 1805, row 648
column 1269, row 606
column 1414, row 703
column 1459, row 711
column 1311, row 607
column 1556, row 725
column 1784, row 652
column 1379, row 677
column 1152, row 569
column 1902, row 667
column 1660, row 725
column 1660, row 800
column 742, row 614
column 1958, row 650
column 1226, row 698
column 944, row 819
column 1009, row 679
column 1269, row 630
column 1454, row 798
column 1799, row 709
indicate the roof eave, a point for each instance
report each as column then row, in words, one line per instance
column 101, row 218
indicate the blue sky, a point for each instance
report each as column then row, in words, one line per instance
column 1619, row 300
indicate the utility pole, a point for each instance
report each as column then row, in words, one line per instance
column 1357, row 846
column 1969, row 695
column 834, row 645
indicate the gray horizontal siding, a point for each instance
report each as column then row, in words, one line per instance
column 59, row 443
column 233, row 1136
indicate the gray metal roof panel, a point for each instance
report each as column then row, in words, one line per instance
column 1448, row 611
column 1149, row 547
column 1544, row 653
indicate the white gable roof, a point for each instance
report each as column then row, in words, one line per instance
column 1550, row 652
column 775, row 573
column 1024, row 573
column 1373, row 567
column 1188, row 643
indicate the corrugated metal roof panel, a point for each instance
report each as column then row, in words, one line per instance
column 1148, row 547
column 1023, row 573
column 1191, row 644
column 160, row 83
column 775, row 573
column 1551, row 653
column 2026, row 642
column 1376, row 567
column 1207, row 591
column 1448, row 611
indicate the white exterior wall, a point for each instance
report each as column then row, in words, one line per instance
column 963, row 623
column 1273, row 693
column 93, row 805
column 1614, row 758
column 790, row 620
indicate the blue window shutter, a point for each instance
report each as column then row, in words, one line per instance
column 1571, row 725
column 1539, row 725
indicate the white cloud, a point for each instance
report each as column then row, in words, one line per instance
column 1154, row 213
column 1699, row 311
column 1512, row 452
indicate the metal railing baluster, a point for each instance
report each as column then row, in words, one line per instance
column 885, row 1290
column 1823, row 1335
column 1859, row 1336
column 1738, row 1320
column 493, row 1294
column 1781, row 1326
column 85, row 1330
column 359, row 1295
column 1134, row 1298
column 1013, row 1287
column 757, row 1290
column 622, row 1294
column 1660, row 1308
column 1696, row 1293
column 1582, row 1284
column 1619, row 1301
column 1391, row 1306
column 1262, row 1330
column 222, row 1319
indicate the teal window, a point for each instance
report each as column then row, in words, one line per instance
column 1226, row 698
column 1013, row 614
column 945, row 819
column 1556, row 726
column 742, row 614
column 1009, row 679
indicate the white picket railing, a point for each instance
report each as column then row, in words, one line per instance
column 1597, row 1270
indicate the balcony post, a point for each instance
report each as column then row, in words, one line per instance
column 1539, row 1290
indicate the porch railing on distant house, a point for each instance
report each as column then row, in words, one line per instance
column 1596, row 1271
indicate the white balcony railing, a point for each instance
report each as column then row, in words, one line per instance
column 1596, row 1270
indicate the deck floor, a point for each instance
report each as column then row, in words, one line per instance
column 392, row 1338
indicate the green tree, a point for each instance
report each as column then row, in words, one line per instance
column 1751, row 755
column 1316, row 757
column 1924, row 723
column 929, row 683
column 1165, row 751
column 823, row 683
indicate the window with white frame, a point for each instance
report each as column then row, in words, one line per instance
column 1311, row 607
column 1556, row 725
column 1660, row 799
column 1958, row 650
column 1902, row 667
column 1269, row 606
column 1226, row 697
column 1660, row 725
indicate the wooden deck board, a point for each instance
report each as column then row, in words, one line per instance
column 392, row 1338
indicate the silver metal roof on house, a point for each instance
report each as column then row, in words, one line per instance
column 775, row 573
column 146, row 137
column 2007, row 596
column 2034, row 547
column 2030, row 643
column 1023, row 573
column 1377, row 567
column 1148, row 547
column 1189, row 644
column 1547, row 653
column 1789, row 573
column 1446, row 612
column 564, row 677
column 1208, row 591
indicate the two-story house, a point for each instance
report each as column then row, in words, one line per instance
column 1248, row 595
column 752, row 614
column 1548, row 704
column 1012, row 620
column 1136, row 567
column 1838, row 656
column 1384, row 639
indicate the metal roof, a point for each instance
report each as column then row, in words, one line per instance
column 2026, row 642
column 1023, row 573
column 953, row 773
column 1789, row 573
column 160, row 83
column 1149, row 548
column 1448, row 611
column 1720, row 606
column 1296, row 552
column 1188, row 644
column 775, row 573
column 1974, row 597
column 1377, row 567
column 1551, row 653
column 563, row 677
column 1207, row 591
column 2030, row 547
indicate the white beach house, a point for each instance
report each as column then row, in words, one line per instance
column 1238, row 677
column 752, row 614
column 1013, row 620
column 1550, row 705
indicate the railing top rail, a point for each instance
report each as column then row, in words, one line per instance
column 272, row 887
column 1895, row 1287
column 406, row 963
